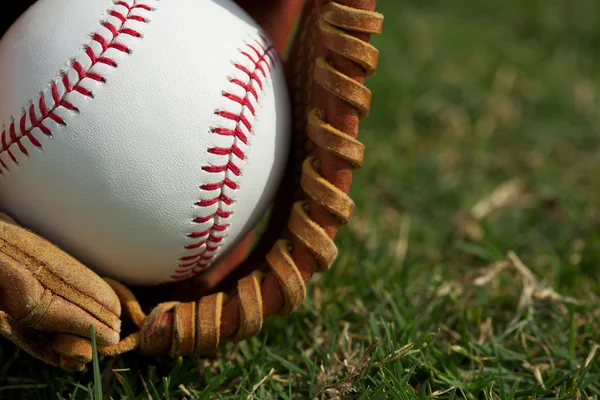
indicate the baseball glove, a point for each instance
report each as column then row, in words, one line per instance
column 50, row 301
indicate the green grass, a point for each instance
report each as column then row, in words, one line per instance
column 470, row 269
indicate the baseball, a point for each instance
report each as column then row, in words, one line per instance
column 143, row 137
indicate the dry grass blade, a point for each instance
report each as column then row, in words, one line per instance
column 366, row 362
column 398, row 354
column 401, row 246
column 525, row 303
column 185, row 390
column 586, row 364
column 358, row 368
column 145, row 385
column 521, row 268
column 438, row 393
column 531, row 288
column 506, row 194
column 259, row 384
column 537, row 372
column 592, row 355
column 491, row 272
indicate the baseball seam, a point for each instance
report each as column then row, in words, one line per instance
column 208, row 241
column 71, row 81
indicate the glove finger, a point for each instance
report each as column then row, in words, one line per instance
column 75, row 352
column 43, row 288
column 29, row 340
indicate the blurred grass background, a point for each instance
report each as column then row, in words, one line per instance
column 470, row 269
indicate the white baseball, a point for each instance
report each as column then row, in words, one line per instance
column 144, row 137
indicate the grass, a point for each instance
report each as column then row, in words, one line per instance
column 470, row 269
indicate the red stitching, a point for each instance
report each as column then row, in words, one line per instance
column 202, row 220
column 244, row 102
column 223, row 213
column 262, row 57
column 49, row 113
column 247, row 87
column 235, row 132
column 253, row 76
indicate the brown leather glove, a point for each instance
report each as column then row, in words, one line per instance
column 49, row 300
